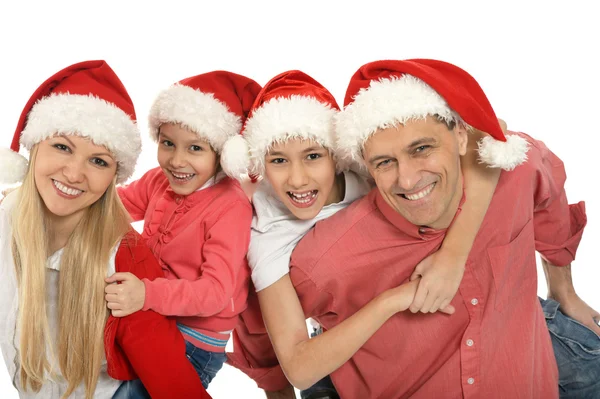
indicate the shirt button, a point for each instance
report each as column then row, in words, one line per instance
column 422, row 230
column 471, row 381
column 470, row 342
column 474, row 301
column 178, row 200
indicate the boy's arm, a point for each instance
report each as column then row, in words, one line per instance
column 443, row 270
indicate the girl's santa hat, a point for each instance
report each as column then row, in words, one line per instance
column 291, row 105
column 384, row 93
column 213, row 105
column 85, row 99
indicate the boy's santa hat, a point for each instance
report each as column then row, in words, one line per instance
column 291, row 105
column 213, row 105
column 85, row 99
column 384, row 93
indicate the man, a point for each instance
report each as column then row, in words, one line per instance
column 408, row 123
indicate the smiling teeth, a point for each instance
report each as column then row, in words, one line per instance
column 303, row 198
column 182, row 176
column 420, row 194
column 66, row 190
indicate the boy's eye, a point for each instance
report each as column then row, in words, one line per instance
column 277, row 160
column 313, row 156
column 167, row 143
column 61, row 147
column 99, row 162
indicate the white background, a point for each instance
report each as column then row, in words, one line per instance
column 537, row 62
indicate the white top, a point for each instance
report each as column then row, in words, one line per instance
column 9, row 308
column 276, row 231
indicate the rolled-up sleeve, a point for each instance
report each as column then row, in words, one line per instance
column 558, row 225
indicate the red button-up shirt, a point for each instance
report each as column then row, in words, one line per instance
column 496, row 345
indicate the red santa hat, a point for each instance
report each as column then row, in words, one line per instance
column 384, row 93
column 86, row 99
column 213, row 105
column 291, row 105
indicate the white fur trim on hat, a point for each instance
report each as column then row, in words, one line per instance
column 385, row 103
column 86, row 116
column 235, row 157
column 13, row 166
column 200, row 112
column 506, row 155
column 285, row 118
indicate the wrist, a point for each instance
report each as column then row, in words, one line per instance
column 450, row 252
column 562, row 293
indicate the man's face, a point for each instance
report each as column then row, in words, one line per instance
column 416, row 167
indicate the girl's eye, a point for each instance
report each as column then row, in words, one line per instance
column 313, row 156
column 61, row 147
column 196, row 148
column 277, row 160
column 167, row 143
column 99, row 162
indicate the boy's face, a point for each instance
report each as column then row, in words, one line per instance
column 302, row 174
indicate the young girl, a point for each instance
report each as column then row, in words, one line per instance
column 62, row 232
column 197, row 221
column 290, row 137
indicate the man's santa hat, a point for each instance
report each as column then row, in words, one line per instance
column 86, row 99
column 213, row 105
column 384, row 93
column 291, row 105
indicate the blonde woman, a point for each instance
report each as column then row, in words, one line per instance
column 62, row 233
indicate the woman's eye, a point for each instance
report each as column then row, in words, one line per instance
column 61, row 147
column 99, row 162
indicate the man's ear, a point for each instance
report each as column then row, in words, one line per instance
column 462, row 136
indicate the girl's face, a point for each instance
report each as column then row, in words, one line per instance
column 71, row 173
column 302, row 174
column 187, row 161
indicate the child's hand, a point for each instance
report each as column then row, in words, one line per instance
column 401, row 297
column 441, row 274
column 125, row 298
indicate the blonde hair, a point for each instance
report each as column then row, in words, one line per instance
column 82, row 311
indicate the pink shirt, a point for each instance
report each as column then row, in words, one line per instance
column 200, row 241
column 495, row 345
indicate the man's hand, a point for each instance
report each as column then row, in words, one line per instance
column 441, row 274
column 576, row 308
column 285, row 393
column 127, row 297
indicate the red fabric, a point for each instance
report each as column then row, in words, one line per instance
column 85, row 78
column 460, row 90
column 236, row 91
column 293, row 83
column 146, row 345
column 200, row 242
column 350, row 258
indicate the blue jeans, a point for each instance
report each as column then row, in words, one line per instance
column 577, row 352
column 322, row 389
column 206, row 363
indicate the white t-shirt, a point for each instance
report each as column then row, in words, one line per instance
column 276, row 231
column 9, row 308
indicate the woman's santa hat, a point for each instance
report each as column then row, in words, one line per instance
column 384, row 93
column 291, row 105
column 86, row 99
column 213, row 105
